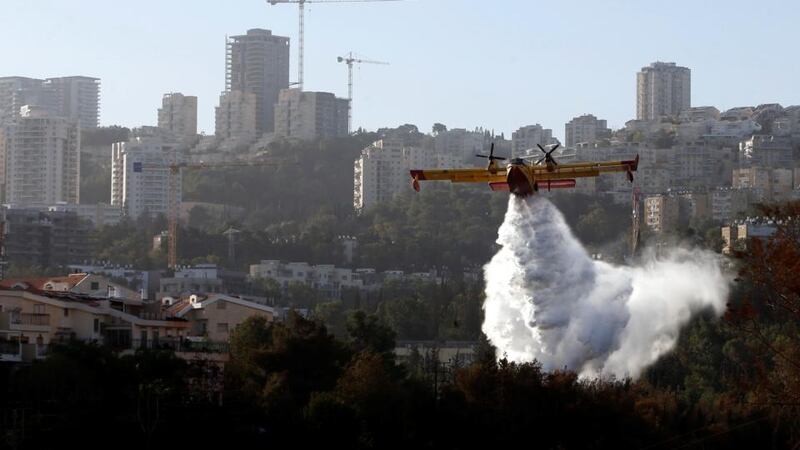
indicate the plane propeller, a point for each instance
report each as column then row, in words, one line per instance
column 547, row 158
column 491, row 156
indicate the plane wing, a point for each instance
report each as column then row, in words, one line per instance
column 588, row 169
column 460, row 175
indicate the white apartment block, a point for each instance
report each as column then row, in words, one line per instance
column 178, row 114
column 236, row 116
column 525, row 140
column 40, row 159
column 140, row 176
column 662, row 89
column 326, row 278
column 310, row 115
column 380, row 173
column 585, row 128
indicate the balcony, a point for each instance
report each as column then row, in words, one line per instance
column 30, row 319
column 17, row 321
column 181, row 345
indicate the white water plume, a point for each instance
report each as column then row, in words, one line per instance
column 548, row 300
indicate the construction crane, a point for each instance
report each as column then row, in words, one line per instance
column 301, row 35
column 173, row 205
column 350, row 60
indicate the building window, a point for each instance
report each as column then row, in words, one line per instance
column 222, row 328
column 94, row 285
column 96, row 325
column 38, row 309
column 222, row 304
column 66, row 312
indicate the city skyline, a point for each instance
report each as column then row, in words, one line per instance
column 432, row 68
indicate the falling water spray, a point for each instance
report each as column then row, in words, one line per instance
column 548, row 300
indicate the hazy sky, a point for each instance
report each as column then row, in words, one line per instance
column 497, row 64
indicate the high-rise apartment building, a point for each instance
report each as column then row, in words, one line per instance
column 140, row 176
column 380, row 173
column 75, row 98
column 258, row 62
column 662, row 89
column 40, row 155
column 310, row 115
column 15, row 92
column 661, row 212
column 236, row 116
column 178, row 114
column 525, row 140
column 585, row 128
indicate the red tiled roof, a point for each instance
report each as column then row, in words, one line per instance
column 177, row 307
column 37, row 284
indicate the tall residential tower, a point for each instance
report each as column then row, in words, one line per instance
column 258, row 63
column 40, row 155
column 662, row 89
column 178, row 114
column 75, row 98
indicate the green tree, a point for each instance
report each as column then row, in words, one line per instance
column 282, row 364
column 333, row 315
column 367, row 333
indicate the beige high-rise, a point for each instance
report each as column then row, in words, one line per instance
column 662, row 89
column 236, row 116
column 310, row 115
column 41, row 155
column 178, row 114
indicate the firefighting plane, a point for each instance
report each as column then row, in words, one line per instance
column 524, row 179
